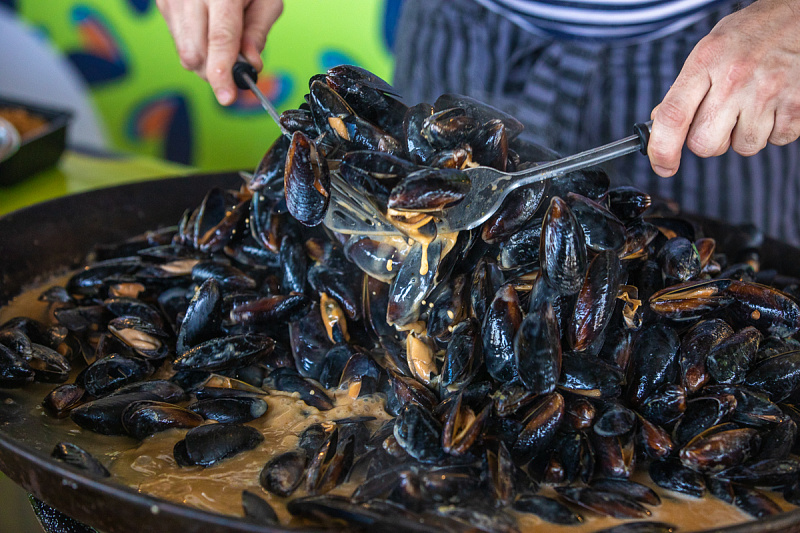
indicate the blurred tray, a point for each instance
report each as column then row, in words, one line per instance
column 39, row 151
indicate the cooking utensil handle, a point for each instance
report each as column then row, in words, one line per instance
column 245, row 76
column 241, row 69
column 643, row 130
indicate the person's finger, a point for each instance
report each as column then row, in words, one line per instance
column 259, row 17
column 192, row 26
column 224, row 38
column 787, row 120
column 752, row 131
column 674, row 115
column 710, row 132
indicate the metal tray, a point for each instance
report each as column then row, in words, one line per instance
column 50, row 237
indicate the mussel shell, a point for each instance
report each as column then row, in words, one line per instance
column 503, row 319
column 429, row 189
column 79, row 458
column 654, row 361
column 225, row 352
column 306, row 181
column 144, row 418
column 230, row 410
column 112, row 372
column 562, row 250
column 283, row 473
column 209, row 444
column 539, row 427
column 203, row 317
column 419, row 433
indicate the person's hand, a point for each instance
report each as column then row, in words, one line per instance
column 739, row 88
column 210, row 34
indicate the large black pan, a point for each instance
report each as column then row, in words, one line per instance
column 49, row 237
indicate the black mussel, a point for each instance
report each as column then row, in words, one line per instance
column 665, row 405
column 334, row 363
column 225, row 352
column 330, row 464
column 463, row 356
column 537, row 349
column 518, row 208
column 48, row 365
column 203, row 317
column 429, row 189
column 344, row 287
column 486, row 281
column 695, row 346
column 503, row 319
column 778, row 376
column 112, row 372
column 360, row 375
column 268, row 175
column 615, row 456
column 104, row 415
column 165, row 391
column 310, row 342
column 729, row 360
column 146, row 339
column 288, row 380
column 413, row 283
column 144, row 418
column 62, row 399
column 652, row 441
column 127, row 306
column 670, row 474
column 490, row 145
column 327, row 107
column 228, row 276
column 764, row 307
column 640, row 527
column 410, row 390
column 562, row 250
column 79, row 458
column 754, row 502
column 91, row 279
column 463, row 427
column 294, row 120
column 449, row 307
column 627, row 202
column 210, row 444
column 653, row 361
column 231, row 410
column 614, row 419
column 419, row 433
column 601, row 229
column 589, row 376
column 691, row 300
column 448, row 127
column 481, row 112
column 580, row 413
column 702, row 413
column 777, row 441
column 604, row 502
column 679, row 259
column 379, row 259
column 418, row 147
column 595, row 302
column 717, row 448
column 637, row 491
column 539, row 427
column 769, row 473
column 272, row 309
column 257, row 509
column 283, row 473
column 522, row 248
column 306, row 181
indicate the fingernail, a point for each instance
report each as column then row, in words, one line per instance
column 225, row 96
column 662, row 171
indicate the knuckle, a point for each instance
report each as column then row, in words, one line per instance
column 672, row 113
column 701, row 145
column 221, row 36
column 191, row 58
column 739, row 72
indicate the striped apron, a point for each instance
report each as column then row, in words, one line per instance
column 574, row 95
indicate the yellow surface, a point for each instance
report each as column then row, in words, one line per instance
column 78, row 172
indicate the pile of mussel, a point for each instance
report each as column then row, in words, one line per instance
column 530, row 365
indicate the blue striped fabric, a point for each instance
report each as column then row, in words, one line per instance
column 572, row 95
column 603, row 19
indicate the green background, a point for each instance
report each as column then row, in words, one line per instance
column 308, row 37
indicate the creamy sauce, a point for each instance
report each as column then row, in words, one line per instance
column 150, row 468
